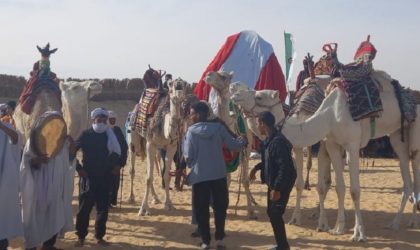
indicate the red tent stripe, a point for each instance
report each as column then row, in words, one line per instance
column 202, row 90
column 271, row 77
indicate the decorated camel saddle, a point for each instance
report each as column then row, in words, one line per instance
column 310, row 95
column 362, row 90
column 154, row 99
column 41, row 78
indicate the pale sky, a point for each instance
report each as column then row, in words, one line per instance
column 119, row 38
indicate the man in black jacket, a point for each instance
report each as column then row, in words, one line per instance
column 115, row 182
column 101, row 152
column 278, row 172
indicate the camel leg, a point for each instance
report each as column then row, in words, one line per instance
column 415, row 162
column 354, row 168
column 170, row 152
column 132, row 172
column 401, row 149
column 151, row 152
column 298, row 157
column 336, row 155
column 308, row 168
column 324, row 183
column 245, row 181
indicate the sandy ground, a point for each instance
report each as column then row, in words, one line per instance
column 381, row 188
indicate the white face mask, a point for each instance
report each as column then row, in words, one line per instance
column 99, row 127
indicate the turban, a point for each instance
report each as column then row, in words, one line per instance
column 112, row 114
column 3, row 106
column 98, row 112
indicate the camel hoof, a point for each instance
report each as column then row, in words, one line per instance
column 144, row 212
column 413, row 224
column 294, row 221
column 358, row 239
column 252, row 215
column 307, row 186
column 169, row 207
column 336, row 231
column 155, row 201
column 323, row 228
column 131, row 200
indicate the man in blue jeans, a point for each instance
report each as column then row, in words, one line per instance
column 202, row 149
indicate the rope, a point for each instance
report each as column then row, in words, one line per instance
column 239, row 129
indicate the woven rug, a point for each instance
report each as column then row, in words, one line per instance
column 362, row 92
column 308, row 99
column 145, row 109
column 406, row 100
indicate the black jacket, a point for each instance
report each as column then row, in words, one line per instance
column 96, row 160
column 277, row 168
column 122, row 160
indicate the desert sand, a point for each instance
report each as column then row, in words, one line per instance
column 381, row 187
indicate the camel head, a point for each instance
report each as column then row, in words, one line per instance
column 178, row 90
column 219, row 80
column 267, row 98
column 245, row 99
column 73, row 90
column 237, row 86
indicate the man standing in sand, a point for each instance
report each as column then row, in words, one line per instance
column 47, row 190
column 202, row 149
column 101, row 152
column 278, row 172
column 10, row 214
column 122, row 160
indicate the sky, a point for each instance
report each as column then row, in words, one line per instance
column 119, row 38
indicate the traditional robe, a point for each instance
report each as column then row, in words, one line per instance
column 46, row 196
column 10, row 216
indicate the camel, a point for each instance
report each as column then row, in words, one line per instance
column 46, row 100
column 329, row 121
column 253, row 102
column 75, row 97
column 160, row 138
column 220, row 82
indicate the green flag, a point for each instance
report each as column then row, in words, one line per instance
column 289, row 55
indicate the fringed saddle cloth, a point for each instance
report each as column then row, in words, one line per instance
column 362, row 92
column 407, row 101
column 146, row 108
column 308, row 99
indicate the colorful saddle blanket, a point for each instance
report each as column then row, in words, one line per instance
column 362, row 92
column 308, row 99
column 146, row 109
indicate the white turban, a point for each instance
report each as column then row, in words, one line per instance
column 112, row 114
column 98, row 112
column 3, row 107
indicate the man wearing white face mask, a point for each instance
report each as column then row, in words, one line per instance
column 101, row 152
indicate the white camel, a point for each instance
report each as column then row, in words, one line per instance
column 253, row 102
column 332, row 118
column 220, row 82
column 165, row 137
column 75, row 97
